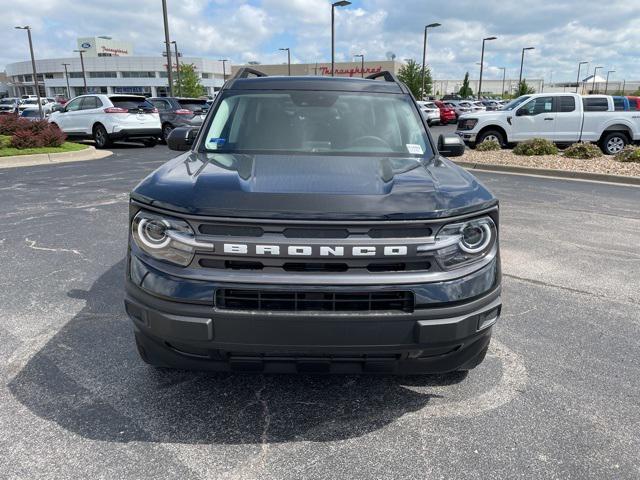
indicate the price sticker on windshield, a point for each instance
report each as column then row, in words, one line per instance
column 414, row 149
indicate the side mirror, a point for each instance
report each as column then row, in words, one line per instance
column 522, row 112
column 181, row 138
column 57, row 108
column 450, row 146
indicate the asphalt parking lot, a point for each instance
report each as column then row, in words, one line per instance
column 557, row 397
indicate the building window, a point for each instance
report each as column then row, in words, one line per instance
column 102, row 75
column 139, row 90
column 48, row 75
column 28, row 78
column 162, row 74
column 75, row 74
column 206, row 75
column 138, row 74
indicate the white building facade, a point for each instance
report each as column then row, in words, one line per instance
column 107, row 74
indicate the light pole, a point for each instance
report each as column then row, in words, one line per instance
column 177, row 67
column 424, row 55
column 522, row 63
column 84, row 74
column 66, row 75
column 224, row 70
column 167, row 44
column 288, row 50
column 504, row 76
column 342, row 3
column 482, row 63
column 606, row 85
column 361, row 64
column 595, row 70
column 33, row 66
column 578, row 79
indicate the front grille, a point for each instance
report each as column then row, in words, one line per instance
column 313, row 301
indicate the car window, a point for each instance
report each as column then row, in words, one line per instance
column 618, row 103
column 599, row 104
column 348, row 123
column 90, row 103
column 30, row 112
column 538, row 105
column 73, row 105
column 132, row 103
column 633, row 104
column 161, row 105
column 194, row 105
column 566, row 104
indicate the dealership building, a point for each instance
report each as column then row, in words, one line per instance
column 110, row 67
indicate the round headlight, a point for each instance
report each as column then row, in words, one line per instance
column 475, row 237
column 153, row 233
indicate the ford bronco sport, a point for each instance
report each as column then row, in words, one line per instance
column 313, row 225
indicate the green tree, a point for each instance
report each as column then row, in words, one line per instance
column 411, row 75
column 524, row 88
column 465, row 90
column 189, row 85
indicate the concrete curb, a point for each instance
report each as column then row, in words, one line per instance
column 546, row 172
column 89, row 153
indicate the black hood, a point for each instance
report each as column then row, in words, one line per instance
column 312, row 187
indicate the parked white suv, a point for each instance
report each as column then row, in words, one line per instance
column 30, row 103
column 106, row 118
column 430, row 112
column 563, row 118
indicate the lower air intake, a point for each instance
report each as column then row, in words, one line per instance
column 314, row 301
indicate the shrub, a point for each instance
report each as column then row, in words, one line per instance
column 536, row 146
column 52, row 136
column 25, row 139
column 488, row 145
column 582, row 150
column 629, row 154
column 38, row 126
column 10, row 124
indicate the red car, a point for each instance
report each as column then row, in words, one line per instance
column 447, row 114
column 634, row 103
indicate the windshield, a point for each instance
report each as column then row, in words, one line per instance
column 30, row 102
column 514, row 103
column 323, row 122
column 8, row 101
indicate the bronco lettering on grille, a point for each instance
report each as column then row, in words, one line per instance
column 317, row 250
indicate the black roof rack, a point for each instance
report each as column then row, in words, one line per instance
column 388, row 77
column 244, row 72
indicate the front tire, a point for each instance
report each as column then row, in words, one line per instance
column 613, row 143
column 491, row 135
column 101, row 137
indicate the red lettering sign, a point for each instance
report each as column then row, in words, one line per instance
column 115, row 51
column 351, row 71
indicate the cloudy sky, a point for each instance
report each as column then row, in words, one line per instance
column 606, row 33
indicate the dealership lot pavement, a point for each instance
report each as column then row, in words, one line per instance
column 558, row 397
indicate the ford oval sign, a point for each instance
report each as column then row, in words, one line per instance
column 86, row 45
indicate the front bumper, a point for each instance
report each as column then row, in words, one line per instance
column 467, row 136
column 177, row 324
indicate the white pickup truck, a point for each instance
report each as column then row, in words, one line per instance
column 563, row 118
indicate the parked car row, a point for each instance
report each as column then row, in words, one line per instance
column 109, row 118
column 563, row 118
column 15, row 106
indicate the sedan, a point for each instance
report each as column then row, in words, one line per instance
column 430, row 112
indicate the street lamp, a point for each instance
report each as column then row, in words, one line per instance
column 522, row 62
column 342, row 3
column 578, row 79
column 606, row 85
column 482, row 63
column 177, row 67
column 288, row 50
column 424, row 55
column 361, row 64
column 84, row 75
column 224, row 70
column 595, row 70
column 66, row 75
column 504, row 76
column 33, row 66
column 167, row 45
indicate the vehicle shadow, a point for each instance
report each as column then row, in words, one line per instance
column 89, row 380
